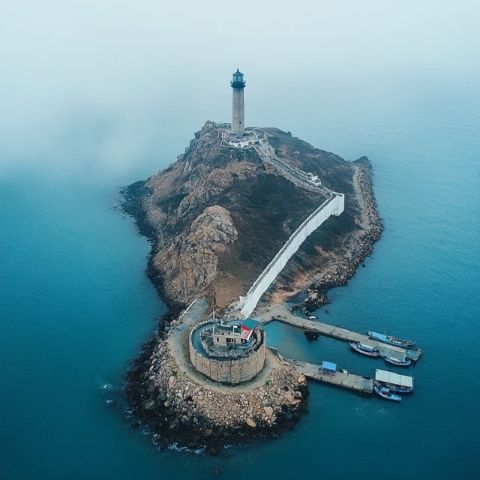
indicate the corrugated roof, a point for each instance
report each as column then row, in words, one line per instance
column 393, row 378
column 329, row 366
column 379, row 336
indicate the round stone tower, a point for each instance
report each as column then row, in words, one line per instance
column 227, row 353
column 238, row 106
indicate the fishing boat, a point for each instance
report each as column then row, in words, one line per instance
column 406, row 362
column 400, row 389
column 397, row 342
column 387, row 394
column 365, row 349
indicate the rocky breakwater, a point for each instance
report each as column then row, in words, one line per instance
column 190, row 411
column 358, row 244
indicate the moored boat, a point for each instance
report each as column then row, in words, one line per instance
column 396, row 388
column 365, row 349
column 397, row 362
column 387, row 394
column 397, row 342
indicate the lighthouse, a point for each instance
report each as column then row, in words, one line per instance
column 238, row 106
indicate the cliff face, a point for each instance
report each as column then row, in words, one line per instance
column 219, row 214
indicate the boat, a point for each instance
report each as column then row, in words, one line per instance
column 397, row 342
column 397, row 362
column 399, row 388
column 365, row 349
column 387, row 394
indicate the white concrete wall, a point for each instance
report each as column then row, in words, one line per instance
column 238, row 111
column 333, row 206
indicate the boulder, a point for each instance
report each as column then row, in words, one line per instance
column 301, row 379
column 251, row 422
column 149, row 405
column 268, row 411
column 289, row 397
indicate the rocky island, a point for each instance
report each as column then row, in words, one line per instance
column 216, row 217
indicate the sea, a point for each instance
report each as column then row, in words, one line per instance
column 76, row 305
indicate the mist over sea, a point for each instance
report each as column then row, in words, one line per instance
column 90, row 105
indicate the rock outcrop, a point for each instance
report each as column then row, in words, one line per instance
column 191, row 258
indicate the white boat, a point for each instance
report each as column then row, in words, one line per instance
column 397, row 362
column 387, row 394
column 365, row 349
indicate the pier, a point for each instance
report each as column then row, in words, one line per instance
column 342, row 379
column 339, row 333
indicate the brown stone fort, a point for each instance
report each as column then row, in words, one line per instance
column 230, row 354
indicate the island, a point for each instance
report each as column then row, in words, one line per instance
column 244, row 221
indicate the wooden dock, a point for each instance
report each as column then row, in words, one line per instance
column 340, row 334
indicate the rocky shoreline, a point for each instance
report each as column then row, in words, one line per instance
column 179, row 411
column 359, row 245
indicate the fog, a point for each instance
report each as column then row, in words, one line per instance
column 120, row 86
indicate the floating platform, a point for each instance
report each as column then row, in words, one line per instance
column 344, row 335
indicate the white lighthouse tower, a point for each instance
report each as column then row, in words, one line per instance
column 238, row 106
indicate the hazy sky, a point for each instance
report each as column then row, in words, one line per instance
column 113, row 81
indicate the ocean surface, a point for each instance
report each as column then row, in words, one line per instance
column 75, row 307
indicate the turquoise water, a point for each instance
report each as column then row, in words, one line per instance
column 75, row 306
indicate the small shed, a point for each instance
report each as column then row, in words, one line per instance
column 329, row 367
column 391, row 378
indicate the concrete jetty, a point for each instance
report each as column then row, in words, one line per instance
column 342, row 379
column 338, row 378
column 338, row 333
